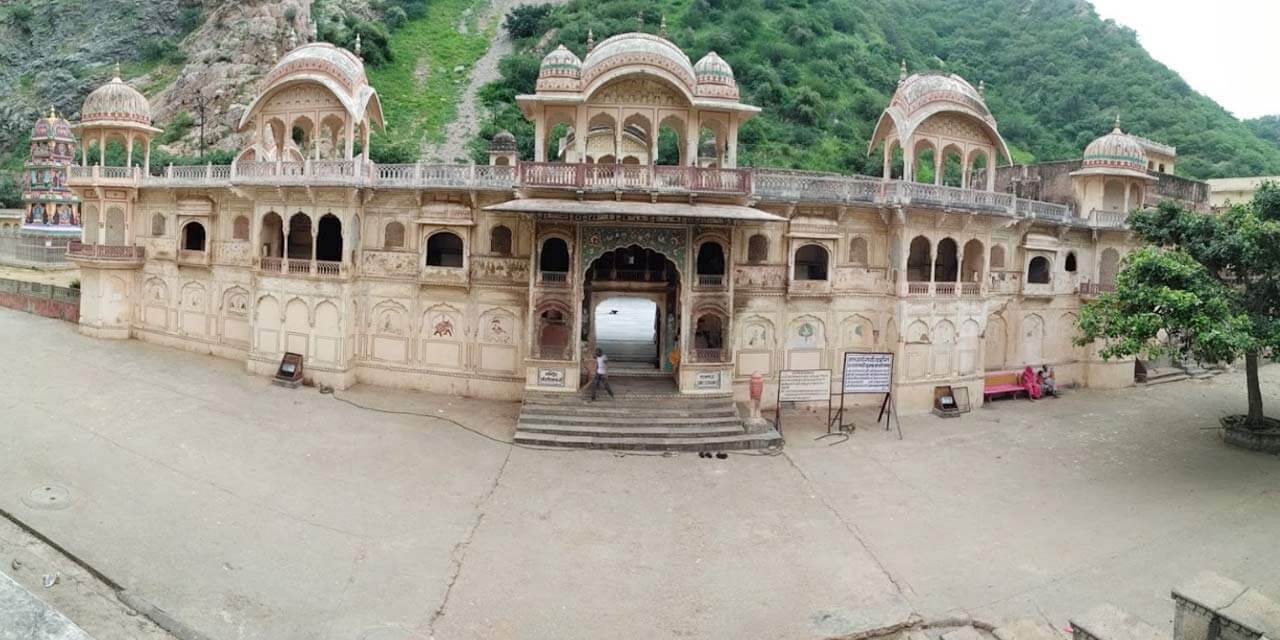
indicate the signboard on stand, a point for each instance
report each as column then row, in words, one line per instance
column 803, row 385
column 868, row 373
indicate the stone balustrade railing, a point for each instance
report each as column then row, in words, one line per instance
column 104, row 251
column 765, row 185
column 1101, row 219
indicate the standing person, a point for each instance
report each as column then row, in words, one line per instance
column 602, row 376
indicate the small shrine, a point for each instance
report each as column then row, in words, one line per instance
column 50, row 207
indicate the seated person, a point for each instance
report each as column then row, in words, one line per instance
column 1029, row 382
column 1045, row 376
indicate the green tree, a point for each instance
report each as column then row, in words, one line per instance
column 1211, row 281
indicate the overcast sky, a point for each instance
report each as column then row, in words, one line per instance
column 1226, row 49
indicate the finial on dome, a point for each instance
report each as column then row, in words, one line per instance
column 662, row 28
column 640, row 21
column 52, row 113
column 293, row 39
column 902, row 72
column 116, row 72
column 359, row 49
column 1117, row 129
column 591, row 40
column 982, row 88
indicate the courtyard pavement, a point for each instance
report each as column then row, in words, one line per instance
column 245, row 510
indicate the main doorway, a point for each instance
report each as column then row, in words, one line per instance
column 627, row 330
column 631, row 306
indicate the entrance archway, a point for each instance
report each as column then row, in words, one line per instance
column 631, row 310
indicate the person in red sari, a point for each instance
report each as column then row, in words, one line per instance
column 1030, row 383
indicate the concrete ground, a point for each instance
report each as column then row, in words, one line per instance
column 245, row 510
column 59, row 277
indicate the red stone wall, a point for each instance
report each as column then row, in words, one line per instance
column 40, row 299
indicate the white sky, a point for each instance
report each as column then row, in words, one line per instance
column 1226, row 49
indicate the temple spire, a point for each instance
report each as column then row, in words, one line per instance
column 116, row 72
column 662, row 28
column 591, row 40
column 359, row 50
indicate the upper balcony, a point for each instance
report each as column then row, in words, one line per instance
column 762, row 185
column 635, row 177
column 106, row 256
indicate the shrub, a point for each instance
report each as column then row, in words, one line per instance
column 527, row 21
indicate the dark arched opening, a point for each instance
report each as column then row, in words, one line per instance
column 444, row 249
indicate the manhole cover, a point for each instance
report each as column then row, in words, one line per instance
column 48, row 496
column 392, row 633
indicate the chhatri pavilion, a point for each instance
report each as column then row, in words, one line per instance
column 495, row 280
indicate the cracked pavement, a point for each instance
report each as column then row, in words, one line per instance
column 250, row 511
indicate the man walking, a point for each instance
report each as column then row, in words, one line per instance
column 602, row 376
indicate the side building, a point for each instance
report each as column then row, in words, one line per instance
column 487, row 280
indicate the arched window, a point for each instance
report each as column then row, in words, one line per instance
column 329, row 239
column 997, row 257
column 299, row 237
column 971, row 270
column 1070, row 266
column 918, row 260
column 157, row 225
column 710, row 259
column 708, row 338
column 272, row 237
column 1108, row 267
column 393, row 236
column 1038, row 270
column 554, row 257
column 757, row 249
column 193, row 237
column 240, row 228
column 811, row 263
column 858, row 251
column 444, row 249
column 500, row 240
column 946, row 265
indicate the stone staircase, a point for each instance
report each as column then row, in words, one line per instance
column 643, row 421
column 1208, row 607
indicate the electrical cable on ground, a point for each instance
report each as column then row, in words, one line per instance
column 329, row 391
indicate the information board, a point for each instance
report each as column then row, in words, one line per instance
column 804, row 385
column 867, row 372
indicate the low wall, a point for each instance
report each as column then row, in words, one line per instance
column 41, row 299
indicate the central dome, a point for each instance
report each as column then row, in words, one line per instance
column 638, row 49
column 921, row 89
column 339, row 63
column 116, row 102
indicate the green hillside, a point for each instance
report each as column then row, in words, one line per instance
column 823, row 70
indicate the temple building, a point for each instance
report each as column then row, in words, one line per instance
column 50, row 207
column 500, row 280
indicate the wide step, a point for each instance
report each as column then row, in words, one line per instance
column 663, row 423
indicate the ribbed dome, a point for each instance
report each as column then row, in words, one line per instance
column 638, row 49
column 715, row 77
column 560, row 70
column 921, row 89
column 1116, row 150
column 503, row 141
column 336, row 62
column 116, row 102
